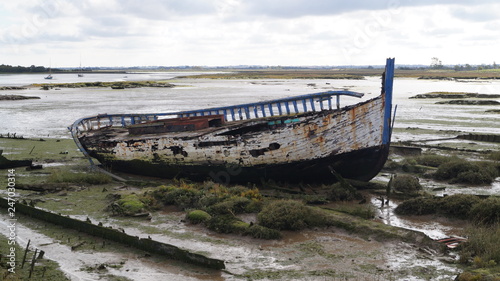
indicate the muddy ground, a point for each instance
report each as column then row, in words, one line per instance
column 312, row 254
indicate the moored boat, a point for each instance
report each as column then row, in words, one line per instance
column 293, row 139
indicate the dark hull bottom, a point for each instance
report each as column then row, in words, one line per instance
column 359, row 165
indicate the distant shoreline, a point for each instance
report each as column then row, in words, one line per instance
column 70, row 72
column 16, row 97
column 285, row 73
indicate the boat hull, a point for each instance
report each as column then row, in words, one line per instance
column 360, row 165
column 305, row 138
column 298, row 148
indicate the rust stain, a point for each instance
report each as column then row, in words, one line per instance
column 352, row 114
column 249, row 143
column 326, row 120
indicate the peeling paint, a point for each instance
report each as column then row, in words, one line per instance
column 310, row 138
column 301, row 141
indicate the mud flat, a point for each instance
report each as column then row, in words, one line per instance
column 454, row 95
column 114, row 85
column 355, row 249
column 16, row 97
column 470, row 102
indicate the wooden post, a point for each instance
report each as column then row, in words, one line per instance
column 25, row 253
column 389, row 189
column 33, row 263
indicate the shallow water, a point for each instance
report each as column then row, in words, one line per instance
column 435, row 228
column 57, row 109
column 27, row 79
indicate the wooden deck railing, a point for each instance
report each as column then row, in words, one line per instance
column 285, row 106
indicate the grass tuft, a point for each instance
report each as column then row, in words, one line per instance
column 461, row 206
column 60, row 176
column 407, row 184
column 291, row 215
column 463, row 171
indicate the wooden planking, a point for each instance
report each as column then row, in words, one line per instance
column 315, row 136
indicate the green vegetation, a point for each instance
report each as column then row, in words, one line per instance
column 493, row 111
column 481, row 253
column 49, row 150
column 462, row 206
column 487, row 212
column 198, row 216
column 463, row 171
column 44, row 269
column 458, row 205
column 326, row 274
column 216, row 206
column 262, row 232
column 418, row 164
column 433, row 160
column 418, row 206
column 129, row 205
column 115, row 84
column 365, row 211
column 478, row 275
column 232, row 224
column 495, row 156
column 451, row 168
column 63, row 176
column 16, row 97
column 342, row 191
column 21, row 69
column 470, row 102
column 289, row 215
column 407, row 184
column 284, row 74
column 453, row 95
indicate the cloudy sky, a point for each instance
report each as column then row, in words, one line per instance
column 247, row 32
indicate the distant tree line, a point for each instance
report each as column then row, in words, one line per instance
column 437, row 64
column 21, row 69
column 476, row 67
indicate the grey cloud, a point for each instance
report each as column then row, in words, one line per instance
column 164, row 10
column 443, row 32
column 481, row 13
column 297, row 8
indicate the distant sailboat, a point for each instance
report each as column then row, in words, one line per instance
column 50, row 73
column 80, row 74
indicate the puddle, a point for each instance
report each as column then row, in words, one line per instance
column 486, row 190
column 434, row 227
column 414, row 265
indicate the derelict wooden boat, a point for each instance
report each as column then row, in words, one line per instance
column 294, row 139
